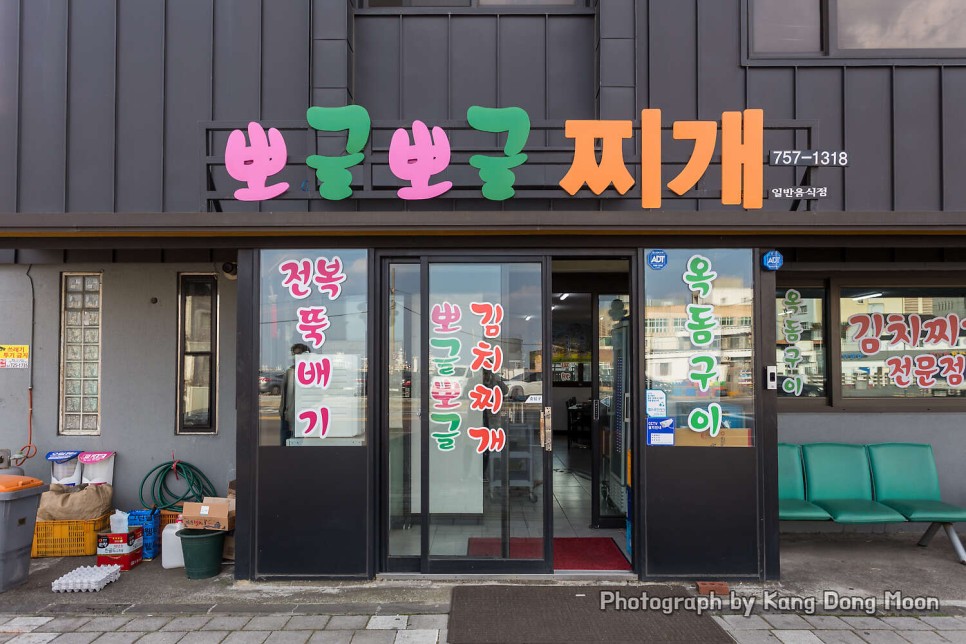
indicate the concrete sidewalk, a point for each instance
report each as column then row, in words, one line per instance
column 152, row 605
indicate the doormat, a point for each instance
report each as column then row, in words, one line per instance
column 572, row 614
column 569, row 553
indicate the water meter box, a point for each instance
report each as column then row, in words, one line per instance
column 65, row 468
column 19, row 499
column 98, row 467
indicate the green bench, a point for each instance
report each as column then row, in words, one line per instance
column 884, row 483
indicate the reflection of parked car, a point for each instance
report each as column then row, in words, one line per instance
column 528, row 383
column 270, row 382
column 809, row 391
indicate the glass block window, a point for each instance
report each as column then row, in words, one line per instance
column 80, row 351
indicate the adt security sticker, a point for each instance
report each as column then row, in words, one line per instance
column 657, row 259
column 772, row 260
column 660, row 431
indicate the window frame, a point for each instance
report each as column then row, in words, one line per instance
column 212, row 428
column 832, row 55
column 834, row 400
column 474, row 7
column 62, row 375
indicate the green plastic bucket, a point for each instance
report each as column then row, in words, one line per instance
column 202, row 552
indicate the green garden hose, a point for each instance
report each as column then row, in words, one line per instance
column 164, row 498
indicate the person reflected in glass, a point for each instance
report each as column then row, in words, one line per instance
column 286, row 407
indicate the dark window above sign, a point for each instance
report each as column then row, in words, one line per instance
column 374, row 4
column 859, row 30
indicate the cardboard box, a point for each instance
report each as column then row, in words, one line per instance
column 228, row 552
column 125, row 561
column 213, row 513
column 123, row 549
column 120, row 543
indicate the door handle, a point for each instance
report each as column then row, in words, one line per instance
column 627, row 408
column 546, row 429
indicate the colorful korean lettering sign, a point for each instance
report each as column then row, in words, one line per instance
column 420, row 156
column 314, row 319
column 699, row 349
column 903, row 342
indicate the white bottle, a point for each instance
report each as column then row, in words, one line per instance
column 171, row 555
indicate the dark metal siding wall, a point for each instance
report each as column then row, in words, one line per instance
column 100, row 100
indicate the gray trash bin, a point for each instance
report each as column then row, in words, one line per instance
column 19, row 499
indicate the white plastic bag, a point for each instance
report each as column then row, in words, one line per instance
column 119, row 522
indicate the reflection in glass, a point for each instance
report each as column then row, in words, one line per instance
column 786, row 26
column 901, row 24
column 196, row 401
column 488, row 505
column 699, row 373
column 405, row 431
column 613, row 341
column 328, row 406
column 902, row 342
column 572, row 338
column 800, row 349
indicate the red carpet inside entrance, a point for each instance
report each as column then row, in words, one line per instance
column 569, row 553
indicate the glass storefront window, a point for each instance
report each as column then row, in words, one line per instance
column 313, row 340
column 902, row 342
column 699, row 373
column 800, row 349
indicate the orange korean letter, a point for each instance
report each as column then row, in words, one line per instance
column 742, row 160
column 651, row 159
column 585, row 168
column 704, row 134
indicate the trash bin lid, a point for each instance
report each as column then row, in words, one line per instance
column 13, row 483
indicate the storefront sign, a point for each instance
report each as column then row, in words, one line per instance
column 14, row 356
column 838, row 158
column 446, row 387
column 320, row 386
column 910, row 332
column 419, row 156
column 700, row 325
column 792, row 329
column 798, row 192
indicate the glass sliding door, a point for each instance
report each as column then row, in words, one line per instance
column 468, row 462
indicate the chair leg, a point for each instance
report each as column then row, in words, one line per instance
column 957, row 544
column 929, row 534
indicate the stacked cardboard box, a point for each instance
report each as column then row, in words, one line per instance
column 214, row 513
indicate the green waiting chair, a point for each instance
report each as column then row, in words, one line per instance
column 792, row 505
column 838, row 480
column 905, row 479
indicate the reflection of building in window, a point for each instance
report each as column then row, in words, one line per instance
column 727, row 322
column 197, row 353
column 656, row 325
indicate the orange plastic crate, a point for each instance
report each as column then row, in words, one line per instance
column 68, row 538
